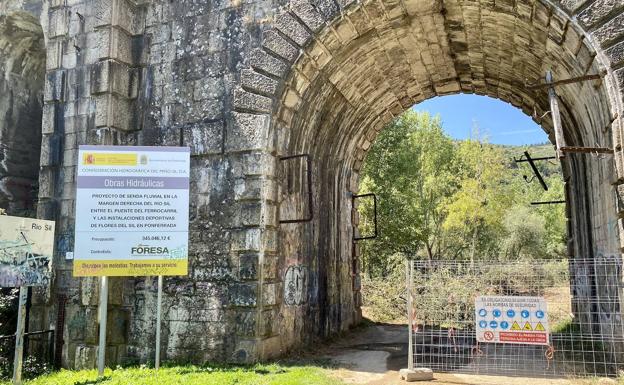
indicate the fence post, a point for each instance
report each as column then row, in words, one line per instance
column 409, row 267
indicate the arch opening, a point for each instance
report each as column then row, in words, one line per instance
column 376, row 61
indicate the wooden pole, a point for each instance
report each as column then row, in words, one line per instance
column 19, row 336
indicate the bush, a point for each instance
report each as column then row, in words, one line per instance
column 444, row 294
column 384, row 298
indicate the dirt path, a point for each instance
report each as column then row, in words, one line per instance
column 375, row 354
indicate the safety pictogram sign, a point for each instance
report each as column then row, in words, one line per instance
column 512, row 320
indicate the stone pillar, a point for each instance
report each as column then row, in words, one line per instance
column 93, row 74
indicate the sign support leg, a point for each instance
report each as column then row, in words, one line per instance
column 19, row 336
column 103, row 315
column 410, row 352
column 158, row 321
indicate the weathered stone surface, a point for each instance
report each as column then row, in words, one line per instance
column 262, row 61
column 245, row 84
column 306, row 13
column 247, row 132
column 259, row 83
column 275, row 43
column 292, row 28
column 598, row 10
column 610, row 31
column 616, row 53
column 416, row 374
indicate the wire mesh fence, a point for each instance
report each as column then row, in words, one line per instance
column 535, row 318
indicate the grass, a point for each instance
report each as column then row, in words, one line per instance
column 273, row 374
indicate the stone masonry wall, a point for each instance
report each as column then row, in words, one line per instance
column 22, row 67
column 244, row 83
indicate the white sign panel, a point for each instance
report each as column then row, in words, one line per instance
column 512, row 320
column 26, row 248
column 132, row 208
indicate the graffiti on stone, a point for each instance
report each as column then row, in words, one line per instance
column 26, row 247
column 296, row 285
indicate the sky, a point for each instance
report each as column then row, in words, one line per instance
column 500, row 122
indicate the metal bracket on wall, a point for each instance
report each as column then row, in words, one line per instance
column 560, row 144
column 548, row 203
column 577, row 79
column 309, row 181
column 353, row 198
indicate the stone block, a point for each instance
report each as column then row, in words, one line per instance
column 308, row 14
column 113, row 43
column 416, row 374
column 204, row 138
column 616, row 53
column 248, row 267
column 117, row 326
column 58, row 22
column 250, row 102
column 247, row 132
column 327, row 8
column 245, row 322
column 115, row 111
column 243, row 295
column 291, row 27
column 49, row 118
column 270, row 294
column 208, row 88
column 596, row 11
column 610, row 31
column 258, row 83
column 275, row 43
column 54, row 86
column 245, row 351
column 114, row 77
column 263, row 62
column 85, row 356
column 271, row 267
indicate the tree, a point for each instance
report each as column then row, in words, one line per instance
column 446, row 199
column 475, row 212
column 412, row 169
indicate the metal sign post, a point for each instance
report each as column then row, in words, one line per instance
column 19, row 336
column 410, row 352
column 103, row 315
column 158, row 321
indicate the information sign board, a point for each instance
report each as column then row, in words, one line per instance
column 132, row 211
column 512, row 320
column 26, row 248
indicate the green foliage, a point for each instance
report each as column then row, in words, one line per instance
column 8, row 310
column 271, row 374
column 385, row 297
column 441, row 199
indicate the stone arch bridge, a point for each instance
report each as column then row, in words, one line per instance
column 244, row 83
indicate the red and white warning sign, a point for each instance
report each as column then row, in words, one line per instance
column 512, row 320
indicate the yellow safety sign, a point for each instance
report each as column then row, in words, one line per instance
column 527, row 326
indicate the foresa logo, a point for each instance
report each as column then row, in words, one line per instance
column 149, row 250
